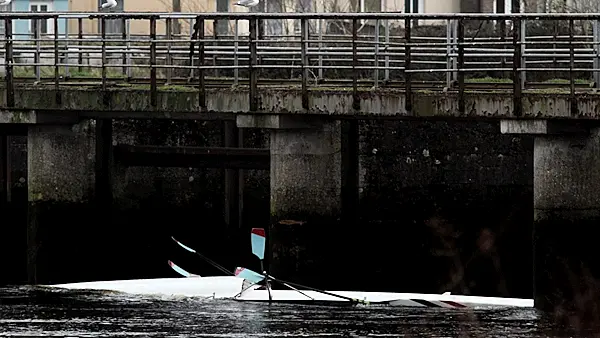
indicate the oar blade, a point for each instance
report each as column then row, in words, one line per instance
column 249, row 275
column 181, row 271
column 258, row 240
column 183, row 246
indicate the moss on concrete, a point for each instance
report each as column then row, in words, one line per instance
column 327, row 101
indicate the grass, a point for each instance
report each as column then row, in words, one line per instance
column 488, row 80
column 120, row 80
column 507, row 80
column 74, row 72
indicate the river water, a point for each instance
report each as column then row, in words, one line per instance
column 33, row 312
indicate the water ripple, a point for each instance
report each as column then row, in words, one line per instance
column 32, row 312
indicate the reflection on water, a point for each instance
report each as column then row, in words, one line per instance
column 31, row 312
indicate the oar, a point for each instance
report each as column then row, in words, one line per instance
column 210, row 261
column 320, row 291
column 256, row 278
column 257, row 238
column 258, row 241
column 247, row 274
column 181, row 271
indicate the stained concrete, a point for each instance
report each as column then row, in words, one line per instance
column 305, row 203
column 566, row 220
column 60, row 162
column 453, row 196
column 39, row 104
column 305, row 172
column 305, row 195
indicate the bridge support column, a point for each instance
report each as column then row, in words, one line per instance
column 305, row 196
column 566, row 174
column 60, row 168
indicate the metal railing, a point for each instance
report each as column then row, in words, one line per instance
column 448, row 52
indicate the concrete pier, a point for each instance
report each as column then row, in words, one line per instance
column 566, row 213
column 305, row 179
column 60, row 188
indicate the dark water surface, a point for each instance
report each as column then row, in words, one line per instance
column 31, row 312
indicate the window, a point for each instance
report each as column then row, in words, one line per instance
column 45, row 26
column 114, row 27
column 417, row 6
column 4, row 9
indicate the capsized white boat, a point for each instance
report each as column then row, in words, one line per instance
column 245, row 286
column 234, row 288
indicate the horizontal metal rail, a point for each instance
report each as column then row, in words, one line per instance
column 452, row 53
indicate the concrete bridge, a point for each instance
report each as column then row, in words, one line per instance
column 537, row 74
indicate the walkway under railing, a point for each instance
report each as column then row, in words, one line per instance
column 451, row 52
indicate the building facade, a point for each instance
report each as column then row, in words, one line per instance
column 23, row 29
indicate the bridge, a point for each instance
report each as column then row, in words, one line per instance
column 537, row 74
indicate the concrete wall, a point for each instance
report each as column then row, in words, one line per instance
column 455, row 198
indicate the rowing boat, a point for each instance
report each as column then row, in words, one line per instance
column 248, row 286
column 230, row 287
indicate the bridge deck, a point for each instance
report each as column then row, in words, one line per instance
column 375, row 65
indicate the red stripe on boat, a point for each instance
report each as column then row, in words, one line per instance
column 259, row 231
column 451, row 303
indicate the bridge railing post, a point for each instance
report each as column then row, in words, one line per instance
column 215, row 45
column 320, row 28
column 355, row 97
column 573, row 99
column 516, row 71
column 304, row 38
column 201, row 89
column 65, row 47
column 79, row 43
column 596, row 51
column 8, row 62
column 376, row 56
column 103, row 60
column 253, row 30
column 387, row 51
column 448, row 52
column 153, row 85
column 127, row 35
column 236, row 37
column 523, row 47
column 56, row 60
column 38, row 48
column 124, row 56
column 461, row 65
column 407, row 74
column 451, row 49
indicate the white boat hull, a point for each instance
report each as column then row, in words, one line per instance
column 217, row 287
column 228, row 287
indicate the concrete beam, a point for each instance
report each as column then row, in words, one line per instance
column 278, row 121
column 195, row 157
column 132, row 102
column 545, row 127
